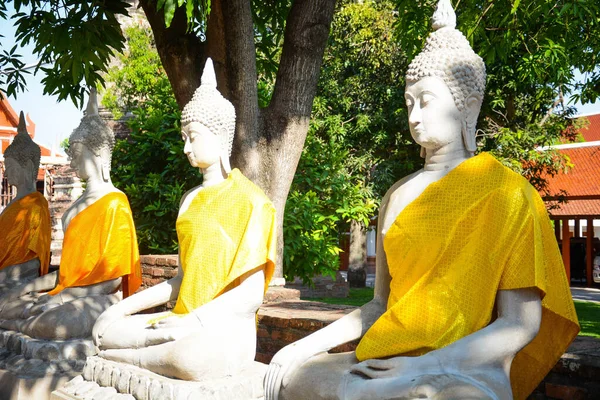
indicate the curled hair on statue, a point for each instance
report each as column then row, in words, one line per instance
column 211, row 109
column 93, row 132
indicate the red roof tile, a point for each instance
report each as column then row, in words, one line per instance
column 582, row 208
column 584, row 178
column 591, row 133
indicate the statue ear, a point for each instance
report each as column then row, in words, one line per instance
column 31, row 171
column 471, row 113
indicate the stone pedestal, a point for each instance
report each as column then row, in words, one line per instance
column 32, row 368
column 108, row 380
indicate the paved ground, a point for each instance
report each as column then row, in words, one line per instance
column 587, row 294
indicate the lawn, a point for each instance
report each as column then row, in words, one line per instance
column 589, row 318
column 588, row 312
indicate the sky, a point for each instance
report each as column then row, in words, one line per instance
column 56, row 120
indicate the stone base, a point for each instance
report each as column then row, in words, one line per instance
column 109, row 380
column 32, row 368
column 15, row 387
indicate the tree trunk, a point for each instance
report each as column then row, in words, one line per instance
column 268, row 142
column 357, row 264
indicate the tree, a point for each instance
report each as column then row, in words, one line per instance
column 269, row 139
column 358, row 143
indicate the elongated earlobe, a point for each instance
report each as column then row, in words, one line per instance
column 469, row 125
column 105, row 172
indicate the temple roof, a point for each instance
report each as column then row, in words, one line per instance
column 592, row 132
column 9, row 120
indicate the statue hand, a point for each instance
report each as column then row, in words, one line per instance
column 112, row 314
column 398, row 366
column 282, row 367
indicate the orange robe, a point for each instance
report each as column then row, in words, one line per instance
column 480, row 229
column 227, row 231
column 100, row 244
column 25, row 232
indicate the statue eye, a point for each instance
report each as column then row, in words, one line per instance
column 426, row 98
column 409, row 103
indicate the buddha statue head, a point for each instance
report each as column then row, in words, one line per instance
column 445, row 85
column 22, row 157
column 208, row 124
column 91, row 144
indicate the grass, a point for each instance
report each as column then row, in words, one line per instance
column 589, row 318
column 587, row 312
column 356, row 297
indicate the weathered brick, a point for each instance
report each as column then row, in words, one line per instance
column 148, row 260
column 157, row 272
column 262, row 333
column 172, row 261
column 162, row 261
column 170, row 272
column 564, row 392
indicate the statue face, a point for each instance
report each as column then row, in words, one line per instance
column 83, row 161
column 202, row 147
column 433, row 117
column 15, row 173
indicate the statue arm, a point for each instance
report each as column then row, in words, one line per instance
column 518, row 322
column 495, row 346
column 101, row 288
column 244, row 299
column 346, row 329
column 46, row 282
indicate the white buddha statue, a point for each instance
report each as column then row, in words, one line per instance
column 227, row 247
column 100, row 259
column 471, row 299
column 25, row 222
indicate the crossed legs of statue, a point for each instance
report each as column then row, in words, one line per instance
column 328, row 377
column 179, row 353
column 51, row 320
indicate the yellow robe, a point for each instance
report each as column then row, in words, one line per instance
column 227, row 231
column 480, row 229
column 25, row 232
column 100, row 244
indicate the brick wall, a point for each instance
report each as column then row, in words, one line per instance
column 157, row 269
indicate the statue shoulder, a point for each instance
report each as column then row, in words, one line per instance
column 397, row 188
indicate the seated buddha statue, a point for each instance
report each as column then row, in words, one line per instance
column 25, row 222
column 471, row 298
column 227, row 243
column 100, row 260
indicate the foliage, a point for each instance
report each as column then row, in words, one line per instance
column 357, row 145
column 149, row 166
column 327, row 193
column 531, row 49
column 73, row 41
column 137, row 76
